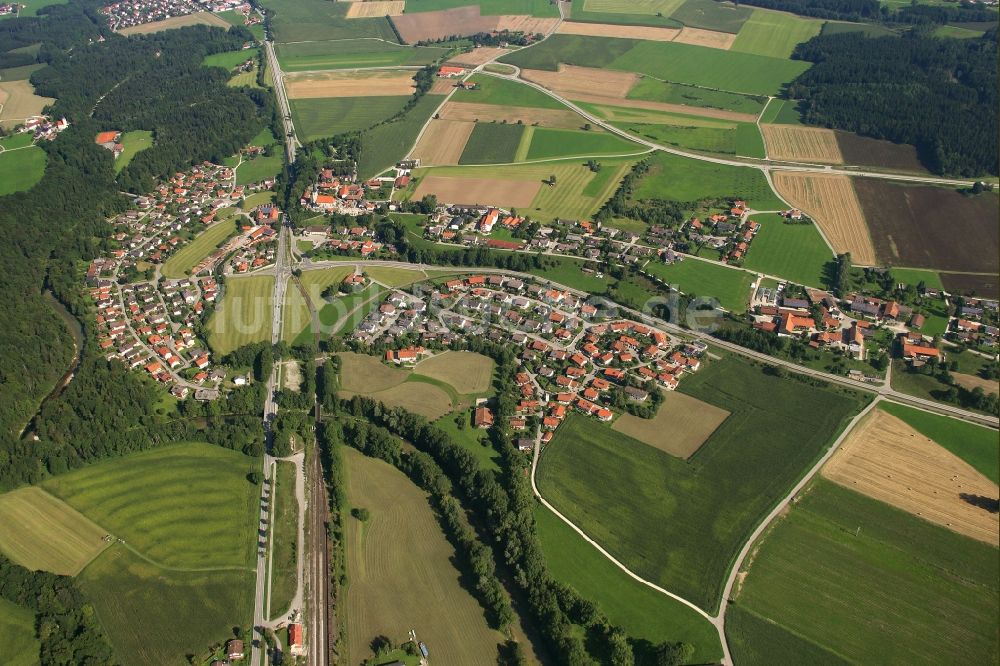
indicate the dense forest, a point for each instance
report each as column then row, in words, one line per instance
column 939, row 95
column 873, row 10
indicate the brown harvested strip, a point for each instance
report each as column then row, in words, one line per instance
column 710, row 38
column 802, row 144
column 375, row 8
column 571, row 79
column 556, row 118
column 443, row 141
column 624, row 31
column 487, row 191
column 705, row 112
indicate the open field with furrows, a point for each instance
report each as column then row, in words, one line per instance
column 20, row 169
column 351, row 53
column 713, row 39
column 974, row 444
column 244, row 316
column 468, row 372
column 399, row 565
column 314, row 20
column 632, row 498
column 539, row 8
column 832, row 202
column 795, row 252
column 873, row 152
column 712, row 15
column 712, row 103
column 774, row 33
column 198, row 18
column 349, row 84
column 707, row 280
column 180, row 263
column 546, row 143
column 909, row 228
column 295, row 313
column 515, row 193
column 375, row 8
column 641, row 611
column 443, row 141
column 19, row 102
column 285, row 522
column 462, row 111
column 17, row 633
column 801, row 144
column 984, row 285
column 869, row 583
column 433, row 25
column 492, row 143
column 530, row 25
column 476, row 57
column 886, row 459
column 618, row 30
column 570, row 80
column 44, row 533
column 316, row 118
column 681, row 426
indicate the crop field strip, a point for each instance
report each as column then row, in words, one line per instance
column 774, row 34
column 711, row 15
column 680, row 427
column 549, row 143
column 316, row 118
column 706, row 102
column 375, row 8
column 706, row 279
column 505, row 92
column 244, row 316
column 802, row 144
column 198, row 18
column 476, row 57
column 349, row 84
column 617, row 30
column 19, row 102
column 468, row 372
column 887, row 460
column 869, row 583
column 416, row 27
column 317, row 20
column 467, row 112
column 180, row 263
column 492, row 143
column 709, row 38
column 569, row 80
column 352, row 53
column 640, row 111
column 443, row 142
column 831, row 201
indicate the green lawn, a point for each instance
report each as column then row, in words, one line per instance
column 244, row 316
column 795, row 252
column 712, row 15
column 547, row 143
column 350, row 53
column 257, row 199
column 21, row 169
column 492, row 143
column 133, row 142
column 872, row 584
column 386, row 144
column 641, row 611
column 569, row 272
column 260, row 168
column 680, row 523
column 317, row 118
column 707, row 279
column 915, row 276
column 654, row 90
column 723, row 137
column 775, row 34
column 314, row 20
column 17, row 635
column 974, row 444
column 492, row 90
column 285, row 545
column 470, row 438
column 181, row 262
column 684, row 179
column 571, row 50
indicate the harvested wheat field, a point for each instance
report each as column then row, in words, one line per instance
column 313, row 85
column 570, row 80
column 530, row 25
column 198, row 18
column 832, row 202
column 709, row 38
column 19, row 102
column 555, row 118
column 422, row 26
column 477, row 57
column 375, row 8
column 801, row 144
column 623, row 110
column 360, row 373
column 449, row 189
column 888, row 460
column 467, row 372
column 614, row 30
column 681, row 426
column 441, row 86
column 443, row 142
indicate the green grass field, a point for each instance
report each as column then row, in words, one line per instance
column 351, row 53
column 235, row 18
column 285, row 545
column 492, row 143
column 546, row 143
column 641, row 611
column 317, row 118
column 782, row 112
column 21, row 169
column 316, row 20
column 492, row 90
column 749, row 141
column 259, row 168
column 712, row 15
column 759, row 642
column 244, row 316
column 795, row 252
column 628, row 12
column 385, row 145
column 683, row 179
column 680, row 523
column 712, row 68
column 957, row 32
column 915, row 276
column 180, row 263
column 654, row 90
column 31, row 7
column 571, row 50
column 295, row 313
column 394, row 277
column 470, row 438
column 542, row 8
column 227, row 60
column 258, row 199
column 17, row 635
column 133, row 142
column 872, row 584
column 719, row 137
column 974, row 444
column 707, row 279
column 51, row 535
column 774, row 34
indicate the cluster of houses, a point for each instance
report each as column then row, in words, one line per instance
column 7, row 8
column 356, row 241
column 975, row 323
column 43, row 127
column 340, row 194
column 731, row 233
column 129, row 13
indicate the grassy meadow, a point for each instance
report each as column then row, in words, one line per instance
column 386, row 144
column 318, row 20
column 352, row 53
column 244, row 316
column 795, row 252
column 20, row 169
column 708, row 280
column 284, row 559
column 774, row 34
column 321, row 117
column 180, row 263
column 492, row 143
column 492, row 90
column 541, row 8
column 711, row 15
column 133, row 142
column 654, row 90
column 295, row 313
column 548, row 143
column 17, row 635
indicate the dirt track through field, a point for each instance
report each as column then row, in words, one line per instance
column 666, row 107
column 477, row 57
column 530, row 25
column 888, row 460
column 417, row 27
column 556, row 118
column 516, row 193
column 375, row 8
column 832, row 202
column 614, row 30
column 570, row 80
column 709, row 38
column 802, row 144
column 348, row 84
column 443, row 142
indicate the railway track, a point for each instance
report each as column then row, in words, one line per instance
column 321, row 640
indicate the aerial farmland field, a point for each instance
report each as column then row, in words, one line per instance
column 795, row 252
column 711, row 15
column 180, row 263
column 17, row 632
column 20, row 169
column 546, row 143
column 654, row 90
column 316, row 20
column 351, row 53
column 680, row 427
column 493, row 90
column 706, row 279
column 244, row 316
column 492, row 143
column 315, row 118
column 775, row 34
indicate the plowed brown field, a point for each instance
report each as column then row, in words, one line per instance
column 477, row 57
column 832, row 202
column 571, row 80
column 348, row 84
column 709, row 38
column 613, row 30
column 802, row 144
column 441, row 86
column 556, row 118
column 530, row 25
column 443, row 141
column 888, row 460
column 375, row 8
column 417, row 27
column 516, row 193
